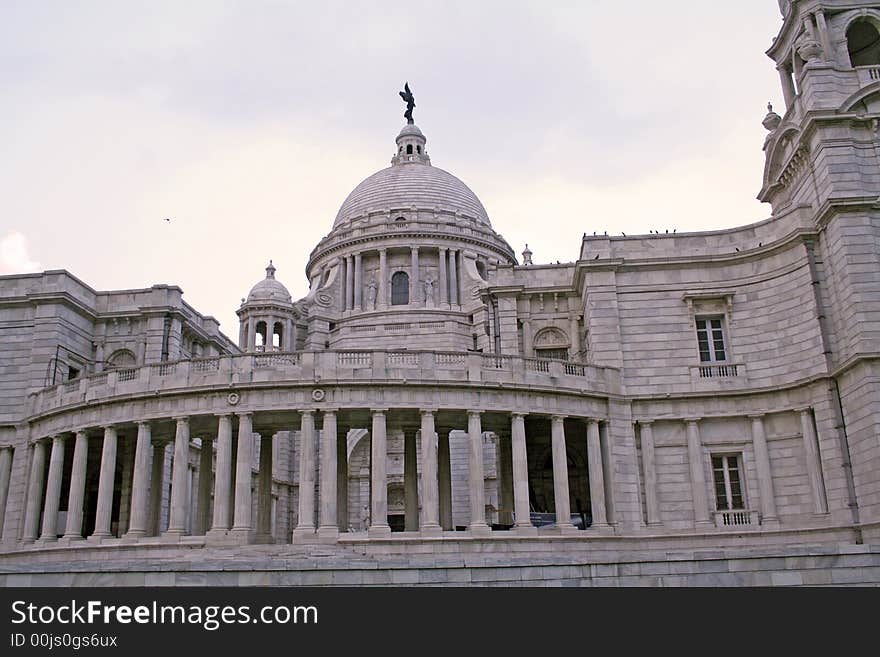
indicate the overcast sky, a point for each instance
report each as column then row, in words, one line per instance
column 247, row 123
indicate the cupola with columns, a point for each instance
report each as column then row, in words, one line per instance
column 268, row 317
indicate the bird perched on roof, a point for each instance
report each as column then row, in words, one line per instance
column 597, row 257
column 168, row 219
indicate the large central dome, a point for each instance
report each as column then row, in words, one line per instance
column 410, row 182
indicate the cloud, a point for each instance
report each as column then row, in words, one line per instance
column 14, row 256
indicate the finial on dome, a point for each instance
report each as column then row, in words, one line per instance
column 527, row 256
column 270, row 270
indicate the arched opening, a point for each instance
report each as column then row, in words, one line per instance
column 419, row 149
column 863, row 44
column 121, row 359
column 261, row 336
column 399, row 289
column 277, row 336
column 551, row 342
column 409, row 149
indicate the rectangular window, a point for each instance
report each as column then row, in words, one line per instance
column 710, row 339
column 728, row 482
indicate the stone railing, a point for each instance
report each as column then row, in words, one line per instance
column 868, row 74
column 717, row 371
column 736, row 518
column 342, row 366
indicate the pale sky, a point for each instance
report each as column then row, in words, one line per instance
column 248, row 123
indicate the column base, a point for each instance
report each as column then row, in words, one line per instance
column 132, row 537
column 47, row 540
column 264, row 539
column 68, row 539
column 171, row 536
column 770, row 523
column 429, row 531
column 379, row 531
column 601, row 528
column 479, row 529
column 525, row 530
column 97, row 539
column 242, row 535
column 304, row 535
column 328, row 534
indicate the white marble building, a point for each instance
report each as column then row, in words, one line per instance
column 710, row 395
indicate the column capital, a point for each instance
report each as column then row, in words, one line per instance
column 592, row 420
column 803, row 409
column 643, row 423
column 691, row 420
column 518, row 414
column 308, row 411
column 756, row 416
column 180, row 418
column 224, row 414
column 414, row 249
column 332, row 411
column 382, row 250
column 244, row 413
column 378, row 411
column 81, row 430
column 427, row 411
column 474, row 412
column 559, row 418
column 143, row 423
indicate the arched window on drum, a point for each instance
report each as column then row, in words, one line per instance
column 399, row 289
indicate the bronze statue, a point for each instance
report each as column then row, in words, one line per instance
column 410, row 101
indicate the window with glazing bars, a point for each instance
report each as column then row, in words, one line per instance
column 728, row 483
column 710, row 339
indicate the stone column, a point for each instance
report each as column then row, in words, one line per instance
column 264, row 491
column 698, row 477
column 597, row 475
column 270, row 330
column 765, row 476
column 252, row 334
column 814, row 463
column 5, row 476
column 652, row 507
column 788, row 91
column 574, row 326
column 349, row 282
column 444, row 277
column 382, row 292
column 157, row 487
column 453, row 277
column 341, row 477
column 521, row 513
column 560, row 473
column 358, row 282
column 414, row 275
column 106, row 482
column 179, row 471
column 444, row 480
column 206, row 480
column 504, row 469
column 430, row 519
column 328, row 529
column 75, row 497
column 53, row 490
column 379, row 484
column 35, row 492
column 527, row 338
column 244, row 466
column 137, row 524
column 824, row 38
column 223, row 474
column 305, row 527
column 410, row 482
column 476, row 478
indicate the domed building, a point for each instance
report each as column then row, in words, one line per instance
column 675, row 409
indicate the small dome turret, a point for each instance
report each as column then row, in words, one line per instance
column 269, row 289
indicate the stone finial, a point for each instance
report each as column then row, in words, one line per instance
column 270, row 270
column 527, row 256
column 772, row 120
